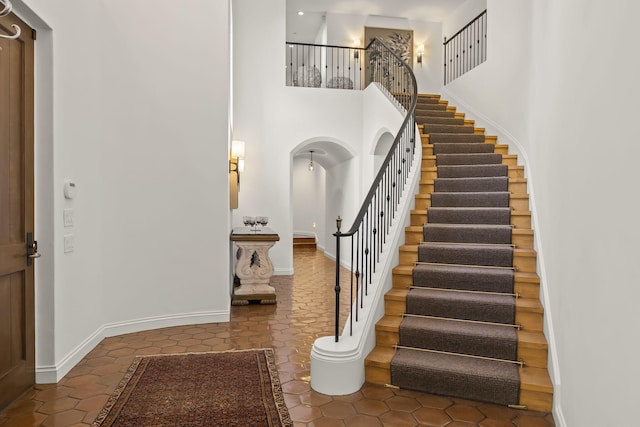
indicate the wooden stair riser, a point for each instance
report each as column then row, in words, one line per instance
column 536, row 400
column 521, row 220
column 519, row 202
column 534, row 357
column 525, row 260
column 422, row 202
column 529, row 321
column 387, row 338
column 377, row 375
column 393, row 307
column 522, row 239
column 413, row 234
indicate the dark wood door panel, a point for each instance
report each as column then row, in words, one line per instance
column 17, row 316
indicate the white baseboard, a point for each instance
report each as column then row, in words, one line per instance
column 283, row 271
column 53, row 374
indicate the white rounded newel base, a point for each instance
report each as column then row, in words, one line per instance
column 337, row 368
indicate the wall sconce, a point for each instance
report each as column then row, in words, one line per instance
column 420, row 54
column 311, row 165
column 356, row 52
column 236, row 165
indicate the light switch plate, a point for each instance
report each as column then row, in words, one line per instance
column 69, row 243
column 67, row 215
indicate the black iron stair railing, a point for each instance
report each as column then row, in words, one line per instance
column 466, row 49
column 372, row 224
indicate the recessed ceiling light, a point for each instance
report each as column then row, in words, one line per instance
column 300, row 13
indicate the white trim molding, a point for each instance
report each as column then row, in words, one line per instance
column 53, row 374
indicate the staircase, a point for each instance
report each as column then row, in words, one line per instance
column 304, row 242
column 463, row 317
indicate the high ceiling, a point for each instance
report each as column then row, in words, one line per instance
column 304, row 28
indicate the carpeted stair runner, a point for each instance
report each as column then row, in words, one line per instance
column 458, row 337
column 469, row 233
column 472, row 171
column 467, row 254
column 443, row 159
column 447, row 128
column 470, row 278
column 475, row 199
column 485, row 184
column 452, row 336
column 470, row 215
column 454, row 375
column 465, row 149
column 478, row 306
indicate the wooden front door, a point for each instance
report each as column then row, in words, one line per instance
column 17, row 336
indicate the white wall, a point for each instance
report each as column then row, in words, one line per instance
column 274, row 119
column 567, row 96
column 145, row 138
column 342, row 29
column 460, row 17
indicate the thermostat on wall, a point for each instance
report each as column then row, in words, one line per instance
column 69, row 189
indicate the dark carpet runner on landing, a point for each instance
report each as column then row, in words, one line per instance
column 457, row 337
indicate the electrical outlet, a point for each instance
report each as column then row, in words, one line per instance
column 67, row 215
column 69, row 243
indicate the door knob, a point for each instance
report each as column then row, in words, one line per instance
column 32, row 249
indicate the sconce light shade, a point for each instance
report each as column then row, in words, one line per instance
column 420, row 54
column 356, row 52
column 237, row 149
column 236, row 165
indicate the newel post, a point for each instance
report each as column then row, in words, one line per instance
column 338, row 234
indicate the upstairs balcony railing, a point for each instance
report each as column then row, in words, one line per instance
column 335, row 67
column 466, row 49
column 341, row 67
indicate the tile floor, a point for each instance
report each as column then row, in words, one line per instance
column 303, row 313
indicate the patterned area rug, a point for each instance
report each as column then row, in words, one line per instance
column 232, row 388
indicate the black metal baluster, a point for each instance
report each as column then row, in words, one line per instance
column 351, row 293
column 337, row 288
